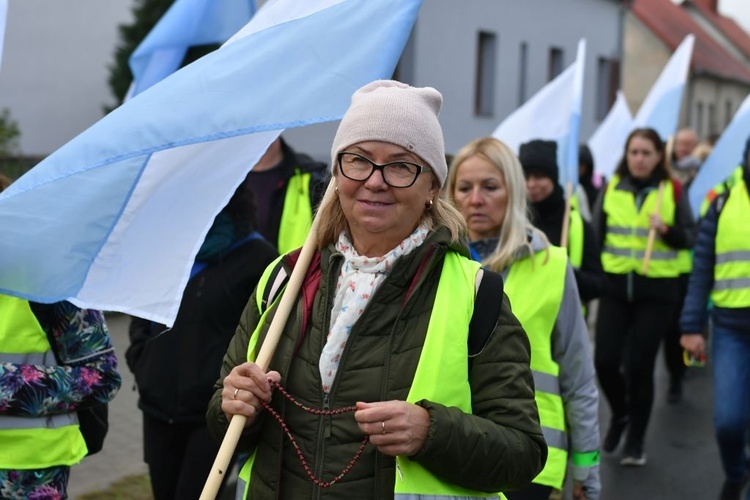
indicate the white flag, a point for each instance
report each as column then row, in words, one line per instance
column 608, row 142
column 661, row 108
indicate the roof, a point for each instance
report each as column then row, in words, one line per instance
column 671, row 24
column 733, row 31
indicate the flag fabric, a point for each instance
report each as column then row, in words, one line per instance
column 724, row 157
column 186, row 23
column 608, row 141
column 3, row 22
column 553, row 113
column 661, row 108
column 113, row 219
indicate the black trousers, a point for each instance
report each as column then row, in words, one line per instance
column 531, row 492
column 672, row 348
column 627, row 342
column 179, row 458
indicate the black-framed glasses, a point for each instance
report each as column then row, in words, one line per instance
column 398, row 174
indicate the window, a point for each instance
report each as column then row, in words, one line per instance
column 728, row 112
column 607, row 83
column 523, row 58
column 699, row 118
column 555, row 65
column 484, row 92
column 711, row 119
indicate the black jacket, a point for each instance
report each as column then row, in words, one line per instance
column 175, row 371
column 548, row 216
column 319, row 175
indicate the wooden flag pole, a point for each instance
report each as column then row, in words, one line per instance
column 652, row 231
column 237, row 424
column 566, row 215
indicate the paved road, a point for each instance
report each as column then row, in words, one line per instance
column 683, row 459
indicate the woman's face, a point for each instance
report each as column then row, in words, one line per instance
column 380, row 216
column 481, row 197
column 642, row 157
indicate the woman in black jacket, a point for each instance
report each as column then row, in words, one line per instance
column 637, row 306
column 175, row 368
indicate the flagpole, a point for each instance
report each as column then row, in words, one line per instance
column 237, row 423
column 652, row 231
column 566, row 216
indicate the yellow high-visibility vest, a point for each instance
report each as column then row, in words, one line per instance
column 440, row 375
column 33, row 442
column 627, row 231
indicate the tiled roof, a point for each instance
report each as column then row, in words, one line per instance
column 671, row 24
column 728, row 26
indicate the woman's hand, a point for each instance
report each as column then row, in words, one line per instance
column 694, row 343
column 394, row 427
column 656, row 222
column 245, row 388
column 578, row 492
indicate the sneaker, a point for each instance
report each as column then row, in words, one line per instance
column 674, row 395
column 616, row 427
column 633, row 455
column 731, row 490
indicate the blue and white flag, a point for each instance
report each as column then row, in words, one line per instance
column 724, row 158
column 3, row 22
column 113, row 219
column 185, row 24
column 607, row 144
column 661, row 108
column 553, row 113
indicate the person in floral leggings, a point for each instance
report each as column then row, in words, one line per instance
column 85, row 375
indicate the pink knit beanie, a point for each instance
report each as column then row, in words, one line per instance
column 393, row 112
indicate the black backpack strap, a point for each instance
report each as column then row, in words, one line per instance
column 275, row 283
column 486, row 311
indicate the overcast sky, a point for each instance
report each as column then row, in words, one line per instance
column 738, row 9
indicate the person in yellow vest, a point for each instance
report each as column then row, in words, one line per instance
column 287, row 187
column 722, row 274
column 637, row 307
column 54, row 359
column 383, row 385
column 547, row 205
column 486, row 182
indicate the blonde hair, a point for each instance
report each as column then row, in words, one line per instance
column 516, row 225
column 441, row 213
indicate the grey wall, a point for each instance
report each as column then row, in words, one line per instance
column 445, row 57
column 54, row 69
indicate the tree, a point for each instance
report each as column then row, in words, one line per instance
column 146, row 14
column 9, row 134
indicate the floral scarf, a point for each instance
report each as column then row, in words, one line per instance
column 359, row 279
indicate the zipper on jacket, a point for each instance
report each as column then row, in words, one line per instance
column 325, row 424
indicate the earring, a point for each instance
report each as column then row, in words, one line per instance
column 336, row 188
column 428, row 205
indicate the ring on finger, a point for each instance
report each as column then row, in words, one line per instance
column 235, row 393
column 383, row 424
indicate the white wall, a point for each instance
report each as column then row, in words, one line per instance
column 54, row 69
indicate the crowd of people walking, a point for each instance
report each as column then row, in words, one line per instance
column 439, row 343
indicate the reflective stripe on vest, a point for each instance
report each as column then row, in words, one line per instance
column 535, row 289
column 575, row 239
column 627, row 233
column 296, row 217
column 33, row 442
column 732, row 269
column 440, row 377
